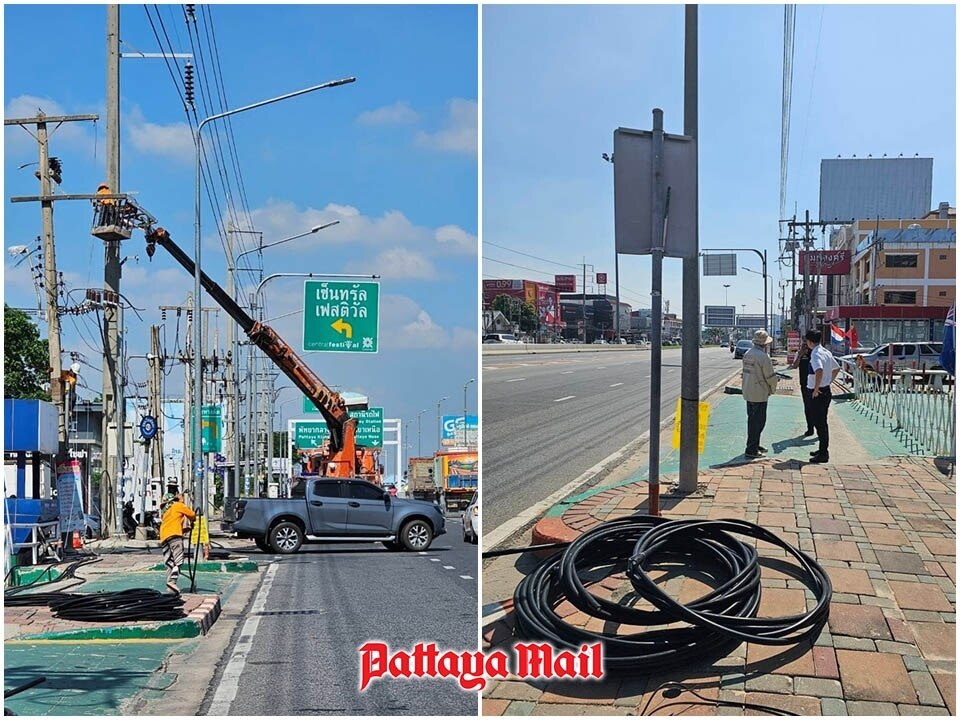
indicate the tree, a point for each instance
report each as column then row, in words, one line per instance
column 26, row 363
column 518, row 311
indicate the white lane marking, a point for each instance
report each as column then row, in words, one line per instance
column 422, row 552
column 230, row 681
column 448, row 567
column 602, row 367
column 434, row 559
column 567, row 372
column 568, row 397
column 515, row 380
column 466, row 577
column 616, row 385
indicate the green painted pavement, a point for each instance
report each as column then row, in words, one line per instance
column 21, row 576
column 782, row 436
column 85, row 678
column 237, row 566
column 207, row 583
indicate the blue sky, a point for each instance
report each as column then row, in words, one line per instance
column 558, row 80
column 392, row 156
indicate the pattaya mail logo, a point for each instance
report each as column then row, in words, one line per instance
column 472, row 669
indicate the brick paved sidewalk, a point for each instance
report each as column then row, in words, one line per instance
column 884, row 532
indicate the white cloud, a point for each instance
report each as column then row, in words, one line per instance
column 456, row 238
column 460, row 132
column 173, row 141
column 17, row 140
column 399, row 113
column 395, row 264
column 280, row 219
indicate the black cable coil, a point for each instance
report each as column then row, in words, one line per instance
column 121, row 606
column 715, row 623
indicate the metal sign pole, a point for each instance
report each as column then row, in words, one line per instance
column 656, row 316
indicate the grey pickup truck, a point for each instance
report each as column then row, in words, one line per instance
column 337, row 510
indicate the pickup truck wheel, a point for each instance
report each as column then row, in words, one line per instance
column 416, row 535
column 263, row 545
column 286, row 537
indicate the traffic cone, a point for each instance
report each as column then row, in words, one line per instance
column 76, row 542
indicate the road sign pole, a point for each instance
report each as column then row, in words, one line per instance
column 656, row 318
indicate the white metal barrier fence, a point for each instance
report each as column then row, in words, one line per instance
column 918, row 405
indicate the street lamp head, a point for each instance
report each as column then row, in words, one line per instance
column 324, row 226
column 15, row 250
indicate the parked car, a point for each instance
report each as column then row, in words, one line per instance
column 471, row 520
column 623, row 341
column 337, row 510
column 599, row 341
column 741, row 349
column 505, row 338
column 903, row 355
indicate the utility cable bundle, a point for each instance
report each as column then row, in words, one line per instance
column 714, row 623
column 124, row 605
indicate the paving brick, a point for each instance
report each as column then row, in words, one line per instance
column 927, row 691
column 837, row 550
column 902, row 562
column 832, row 707
column 565, row 691
column 829, row 526
column 889, row 536
column 818, row 687
column 492, row 706
column 797, row 704
column 874, row 515
column 874, row 676
column 850, row 580
column 925, row 523
column 935, row 640
column 861, row 621
column 913, row 710
column 919, row 596
column 573, row 710
column 858, row 707
column 947, row 684
column 775, row 602
column 854, row 643
column 823, row 507
column 825, row 663
column 941, row 546
column 780, row 660
column 899, row 629
column 516, row 691
column 900, row 648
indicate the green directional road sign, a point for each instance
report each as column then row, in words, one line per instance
column 341, row 316
column 309, row 434
column 211, row 429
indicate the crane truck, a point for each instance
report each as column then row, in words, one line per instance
column 341, row 456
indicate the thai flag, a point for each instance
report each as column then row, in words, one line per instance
column 836, row 334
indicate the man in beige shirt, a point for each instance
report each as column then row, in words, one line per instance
column 759, row 382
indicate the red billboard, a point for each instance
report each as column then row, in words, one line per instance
column 601, row 278
column 825, row 262
column 492, row 288
column 565, row 283
column 548, row 309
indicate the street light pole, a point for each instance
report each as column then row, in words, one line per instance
column 195, row 453
column 439, row 426
column 233, row 489
column 465, row 409
column 419, row 443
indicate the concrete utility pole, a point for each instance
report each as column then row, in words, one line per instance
column 232, row 480
column 156, row 401
column 690, row 352
column 51, row 277
column 112, row 404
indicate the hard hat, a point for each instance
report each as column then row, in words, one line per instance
column 101, row 186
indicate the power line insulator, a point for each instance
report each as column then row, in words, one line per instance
column 188, row 83
column 191, row 12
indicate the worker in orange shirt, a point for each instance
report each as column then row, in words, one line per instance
column 173, row 513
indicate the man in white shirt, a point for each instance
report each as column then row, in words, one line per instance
column 823, row 371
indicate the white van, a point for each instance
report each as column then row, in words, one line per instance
column 903, row 355
column 506, row 338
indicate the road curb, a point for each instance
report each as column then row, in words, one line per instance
column 553, row 529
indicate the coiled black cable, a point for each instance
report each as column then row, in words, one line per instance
column 120, row 606
column 714, row 623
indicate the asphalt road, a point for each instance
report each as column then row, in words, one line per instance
column 325, row 601
column 549, row 418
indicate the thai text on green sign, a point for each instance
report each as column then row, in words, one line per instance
column 310, row 434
